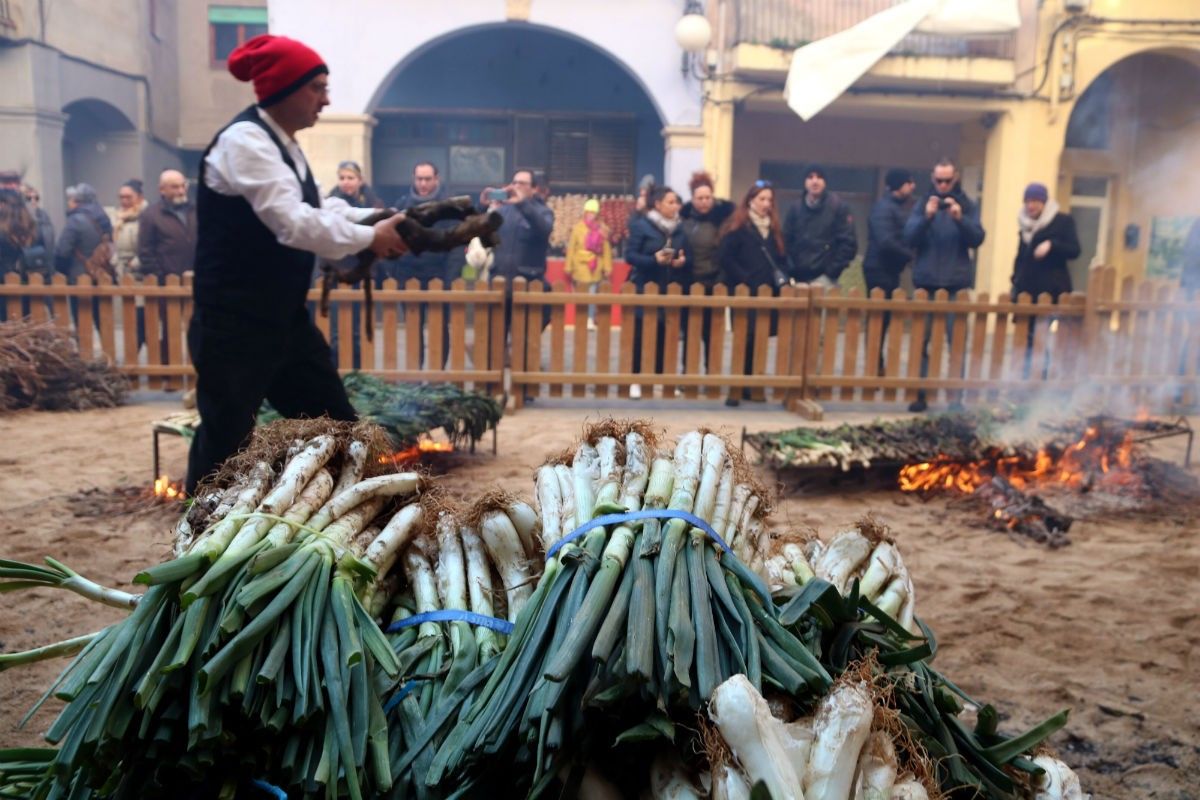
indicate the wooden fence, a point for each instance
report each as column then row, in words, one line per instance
column 1136, row 342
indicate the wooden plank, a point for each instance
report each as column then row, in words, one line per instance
column 105, row 323
column 1159, row 357
column 604, row 331
column 458, row 330
column 412, row 326
column 649, row 344
column 670, row 343
column 741, row 323
column 185, row 322
column 129, row 339
column 481, row 328
column 435, row 327
column 86, row 325
column 14, row 300
column 154, row 324
column 915, row 342
column 344, row 310
column 850, row 343
column 1176, row 330
column 976, row 366
column 37, row 309
column 798, row 357
column 625, row 358
column 1040, row 326
column 519, row 346
column 784, row 337
column 368, row 346
column 829, row 343
column 499, row 347
column 762, row 342
column 999, row 343
column 533, row 335
column 390, row 331
column 1142, row 347
column 1124, row 344
column 937, row 341
column 62, row 308
column 895, row 339
column 873, row 347
column 716, row 341
column 694, row 339
column 958, row 344
column 1016, row 356
column 1072, row 353
column 579, row 358
column 173, row 331
column 1104, row 353
column 558, row 337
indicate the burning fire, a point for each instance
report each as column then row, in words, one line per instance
column 167, row 489
column 416, row 451
column 1078, row 465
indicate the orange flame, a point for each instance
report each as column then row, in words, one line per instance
column 416, row 451
column 1075, row 465
column 166, row 489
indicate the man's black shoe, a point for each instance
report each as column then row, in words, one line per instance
column 918, row 405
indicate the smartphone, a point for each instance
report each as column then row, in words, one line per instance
column 496, row 195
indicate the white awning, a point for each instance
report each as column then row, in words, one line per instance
column 821, row 71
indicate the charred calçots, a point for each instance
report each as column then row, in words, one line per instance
column 419, row 234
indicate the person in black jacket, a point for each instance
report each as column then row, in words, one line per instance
column 752, row 252
column 655, row 252
column 1048, row 242
column 428, row 266
column 819, row 232
column 703, row 217
column 887, row 252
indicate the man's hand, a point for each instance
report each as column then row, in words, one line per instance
column 387, row 242
column 679, row 260
column 954, row 208
column 1042, row 250
column 931, row 206
column 663, row 256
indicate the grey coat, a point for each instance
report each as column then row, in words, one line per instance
column 80, row 236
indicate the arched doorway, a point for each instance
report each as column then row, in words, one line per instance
column 483, row 101
column 1129, row 176
column 100, row 146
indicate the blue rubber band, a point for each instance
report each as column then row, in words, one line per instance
column 402, row 693
column 630, row 516
column 453, row 615
column 270, row 789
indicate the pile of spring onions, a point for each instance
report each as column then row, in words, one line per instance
column 337, row 633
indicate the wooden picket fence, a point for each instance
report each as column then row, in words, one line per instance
column 1133, row 343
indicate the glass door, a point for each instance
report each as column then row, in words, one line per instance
column 1090, row 201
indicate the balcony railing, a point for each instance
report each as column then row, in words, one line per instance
column 791, row 23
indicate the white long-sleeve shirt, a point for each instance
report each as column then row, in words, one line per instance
column 245, row 162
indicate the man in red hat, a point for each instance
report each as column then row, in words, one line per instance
column 260, row 223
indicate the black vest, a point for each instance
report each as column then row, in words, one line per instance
column 241, row 268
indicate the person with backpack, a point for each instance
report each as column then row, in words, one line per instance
column 86, row 244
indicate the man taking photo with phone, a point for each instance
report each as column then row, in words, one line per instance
column 943, row 229
column 524, row 236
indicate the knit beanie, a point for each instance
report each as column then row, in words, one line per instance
column 592, row 205
column 1037, row 191
column 819, row 169
column 896, row 178
column 277, row 65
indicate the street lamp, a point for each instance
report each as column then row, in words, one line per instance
column 693, row 34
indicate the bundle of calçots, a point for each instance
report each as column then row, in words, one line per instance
column 336, row 633
column 955, row 436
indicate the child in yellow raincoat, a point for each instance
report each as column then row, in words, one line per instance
column 589, row 254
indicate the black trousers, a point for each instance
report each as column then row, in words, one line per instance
column 239, row 364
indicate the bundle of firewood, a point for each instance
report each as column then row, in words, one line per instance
column 40, row 367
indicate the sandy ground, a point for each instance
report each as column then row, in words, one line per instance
column 1108, row 626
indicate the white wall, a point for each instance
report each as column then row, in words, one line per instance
column 366, row 40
